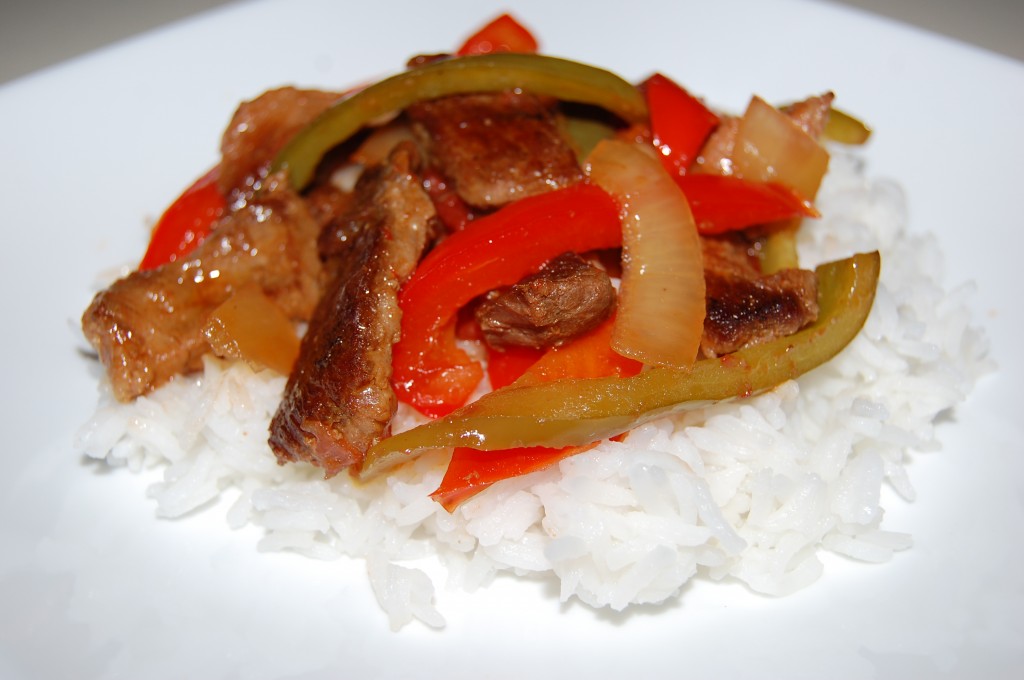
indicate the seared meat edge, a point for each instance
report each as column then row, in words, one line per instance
column 339, row 399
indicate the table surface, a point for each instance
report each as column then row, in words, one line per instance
column 35, row 34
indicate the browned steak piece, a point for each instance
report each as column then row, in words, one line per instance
column 339, row 400
column 147, row 327
column 715, row 156
column 566, row 297
column 745, row 308
column 812, row 113
column 260, row 128
column 495, row 148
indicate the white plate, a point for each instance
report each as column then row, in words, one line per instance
column 92, row 585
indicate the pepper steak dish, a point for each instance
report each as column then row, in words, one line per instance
column 601, row 253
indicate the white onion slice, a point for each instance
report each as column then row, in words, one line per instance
column 661, row 310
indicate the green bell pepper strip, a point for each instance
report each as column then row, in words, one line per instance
column 585, row 133
column 843, row 128
column 540, row 74
column 578, row 411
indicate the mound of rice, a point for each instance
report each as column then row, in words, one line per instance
column 752, row 490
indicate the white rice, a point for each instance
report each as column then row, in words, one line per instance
column 752, row 490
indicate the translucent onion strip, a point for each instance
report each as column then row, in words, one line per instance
column 250, row 326
column 661, row 309
column 770, row 147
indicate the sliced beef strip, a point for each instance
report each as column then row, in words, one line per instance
column 745, row 307
column 260, row 128
column 339, row 400
column 147, row 327
column 811, row 114
column 327, row 203
column 715, row 156
column 496, row 147
column 568, row 296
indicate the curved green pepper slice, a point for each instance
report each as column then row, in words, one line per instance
column 843, row 128
column 561, row 78
column 574, row 412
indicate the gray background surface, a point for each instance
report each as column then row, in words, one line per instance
column 35, row 34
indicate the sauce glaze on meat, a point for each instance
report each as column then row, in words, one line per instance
column 339, row 399
column 148, row 326
column 745, row 307
column 496, row 148
column 566, row 298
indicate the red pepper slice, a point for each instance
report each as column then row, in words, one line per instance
column 679, row 123
column 186, row 222
column 507, row 365
column 471, row 471
column 431, row 373
column 503, row 34
column 728, row 203
column 587, row 356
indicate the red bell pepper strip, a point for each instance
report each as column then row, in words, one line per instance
column 431, row 372
column 186, row 222
column 680, row 123
column 587, row 356
column 507, row 365
column 503, row 34
column 728, row 203
column 471, row 471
